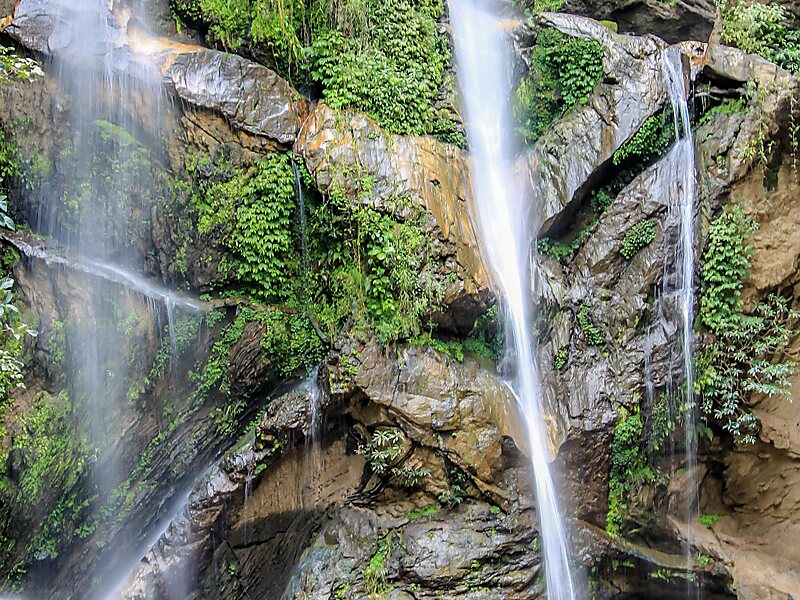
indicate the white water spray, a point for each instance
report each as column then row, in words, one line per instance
column 483, row 51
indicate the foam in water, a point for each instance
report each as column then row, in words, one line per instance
column 483, row 52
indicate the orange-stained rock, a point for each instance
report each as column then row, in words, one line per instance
column 349, row 151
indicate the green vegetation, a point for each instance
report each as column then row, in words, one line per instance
column 560, row 358
column 730, row 106
column 376, row 572
column 451, row 349
column 252, row 213
column 487, row 337
column 710, row 520
column 386, row 58
column 363, row 269
column 650, row 141
column 390, row 66
column 565, row 71
column 372, row 269
column 564, row 250
column 547, row 5
column 762, row 28
column 591, row 333
column 458, row 481
column 739, row 356
column 646, row 146
column 629, row 467
column 421, row 513
column 13, row 66
column 637, row 237
column 12, row 329
column 382, row 452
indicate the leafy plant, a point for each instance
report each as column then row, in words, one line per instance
column 382, row 449
column 560, row 358
column 13, row 66
column 629, row 467
column 392, row 71
column 738, row 358
column 420, row 513
column 592, row 335
column 252, row 213
column 637, row 237
column 650, row 141
column 565, row 71
column 377, row 570
column 487, row 337
column 384, row 57
column 730, row 106
column 762, row 28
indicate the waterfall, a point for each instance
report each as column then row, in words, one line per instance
column 483, row 52
column 100, row 217
column 682, row 196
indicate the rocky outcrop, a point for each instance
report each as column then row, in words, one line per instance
column 672, row 21
column 252, row 98
column 315, row 515
column 349, row 152
column 565, row 162
column 750, row 158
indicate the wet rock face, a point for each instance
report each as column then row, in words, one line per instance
column 672, row 21
column 62, row 299
column 284, row 518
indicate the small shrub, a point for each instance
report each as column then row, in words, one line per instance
column 560, row 358
column 601, row 200
column 377, row 571
column 591, row 333
column 762, row 28
column 565, row 71
column 650, row 141
column 636, row 238
column 738, row 358
column 629, row 467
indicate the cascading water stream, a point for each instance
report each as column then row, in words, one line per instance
column 99, row 218
column 682, row 198
column 483, row 51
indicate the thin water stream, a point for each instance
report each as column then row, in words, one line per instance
column 682, row 202
column 503, row 215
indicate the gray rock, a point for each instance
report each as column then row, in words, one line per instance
column 252, row 97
